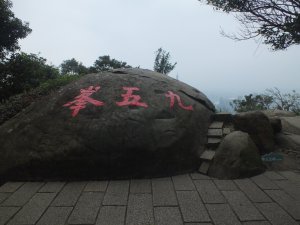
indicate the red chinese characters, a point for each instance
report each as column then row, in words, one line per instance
column 82, row 99
column 173, row 96
column 130, row 99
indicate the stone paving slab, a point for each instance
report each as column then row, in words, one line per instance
column 33, row 210
column 116, row 193
column 163, row 192
column 86, row 209
column 191, row 206
column 55, row 216
column 167, row 216
column 140, row 210
column 188, row 199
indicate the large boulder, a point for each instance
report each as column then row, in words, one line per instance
column 258, row 126
column 119, row 124
column 236, row 157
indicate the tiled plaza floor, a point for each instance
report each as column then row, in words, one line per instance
column 191, row 199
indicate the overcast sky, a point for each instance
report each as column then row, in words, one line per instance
column 132, row 30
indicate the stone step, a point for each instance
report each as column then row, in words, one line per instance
column 204, row 167
column 215, row 133
column 223, row 116
column 208, row 155
column 213, row 142
column 216, row 125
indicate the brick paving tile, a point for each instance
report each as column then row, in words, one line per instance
column 226, row 185
column 140, row 186
column 4, row 196
column 33, row 210
column 198, row 224
column 52, row 187
column 23, row 194
column 116, row 193
column 192, row 207
column 292, row 176
column 55, row 216
column 6, row 213
column 286, row 202
column 140, row 210
column 163, row 192
column 275, row 214
column 289, row 187
column 167, row 216
column 222, row 214
column 257, row 223
column 97, row 186
column 264, row 183
column 273, row 175
column 254, row 193
column 183, row 183
column 199, row 176
column 11, row 186
column 69, row 194
column 209, row 192
column 111, row 215
column 86, row 209
column 244, row 209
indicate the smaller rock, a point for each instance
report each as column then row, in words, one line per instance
column 288, row 140
column 236, row 157
column 278, row 113
column 291, row 124
column 226, row 131
column 258, row 126
column 276, row 125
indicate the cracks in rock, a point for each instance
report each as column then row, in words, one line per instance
column 203, row 102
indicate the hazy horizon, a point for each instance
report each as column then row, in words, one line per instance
column 132, row 31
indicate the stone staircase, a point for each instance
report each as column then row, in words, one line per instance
column 221, row 126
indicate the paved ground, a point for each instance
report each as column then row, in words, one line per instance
column 191, row 199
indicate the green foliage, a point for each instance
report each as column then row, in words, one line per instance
column 162, row 62
column 23, row 72
column 272, row 99
column 17, row 103
column 11, row 29
column 277, row 22
column 73, row 67
column 105, row 63
column 252, row 102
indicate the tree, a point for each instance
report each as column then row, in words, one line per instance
column 162, row 62
column 252, row 102
column 277, row 22
column 73, row 67
column 11, row 29
column 105, row 63
column 272, row 99
column 23, row 72
column 287, row 101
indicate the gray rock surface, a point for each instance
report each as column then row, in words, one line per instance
column 291, row 124
column 278, row 113
column 288, row 141
column 258, row 126
column 236, row 157
column 105, row 137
